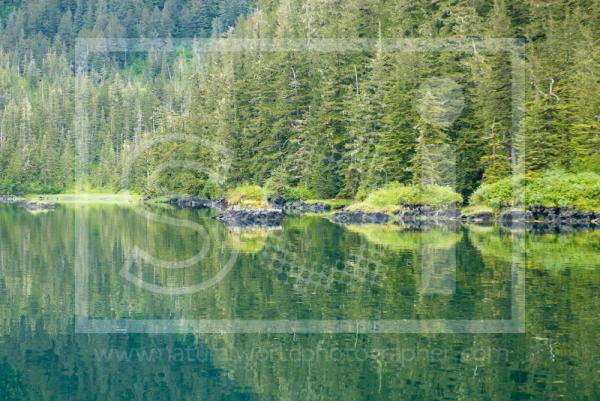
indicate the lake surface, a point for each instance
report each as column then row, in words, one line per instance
column 105, row 302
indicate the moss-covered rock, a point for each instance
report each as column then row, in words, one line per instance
column 247, row 196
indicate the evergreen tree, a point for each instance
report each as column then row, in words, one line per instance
column 338, row 124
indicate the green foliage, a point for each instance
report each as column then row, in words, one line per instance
column 12, row 387
column 7, row 7
column 289, row 193
column 580, row 191
column 334, row 203
column 300, row 124
column 477, row 209
column 361, row 194
column 496, row 195
column 247, row 196
column 395, row 196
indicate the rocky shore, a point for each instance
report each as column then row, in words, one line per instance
column 427, row 213
column 239, row 217
column 542, row 219
column 358, row 217
column 197, row 203
column 246, row 217
column 538, row 217
column 300, row 207
column 415, row 215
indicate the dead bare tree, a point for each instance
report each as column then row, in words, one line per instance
column 550, row 90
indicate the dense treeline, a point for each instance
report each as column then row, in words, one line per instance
column 63, row 128
column 35, row 26
column 331, row 124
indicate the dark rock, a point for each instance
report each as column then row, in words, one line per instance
column 318, row 208
column 299, row 206
column 553, row 216
column 279, row 203
column 302, row 207
column 408, row 216
column 566, row 213
column 540, row 213
column 448, row 214
column 515, row 217
column 538, row 227
column 197, row 203
column 486, row 217
column 424, row 212
column 358, row 217
column 239, row 217
column 573, row 217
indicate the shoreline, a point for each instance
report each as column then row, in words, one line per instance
column 507, row 218
column 416, row 216
column 419, row 217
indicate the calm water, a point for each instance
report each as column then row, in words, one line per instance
column 124, row 303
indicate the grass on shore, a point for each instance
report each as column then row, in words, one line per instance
column 158, row 200
column 247, row 196
column 477, row 209
column 579, row 191
column 395, row 196
column 334, row 203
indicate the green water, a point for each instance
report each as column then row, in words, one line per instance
column 97, row 303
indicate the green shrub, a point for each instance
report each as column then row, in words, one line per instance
column 580, row 191
column 336, row 203
column 395, row 196
column 10, row 188
column 361, row 194
column 211, row 190
column 497, row 195
column 299, row 193
column 247, row 196
column 289, row 193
